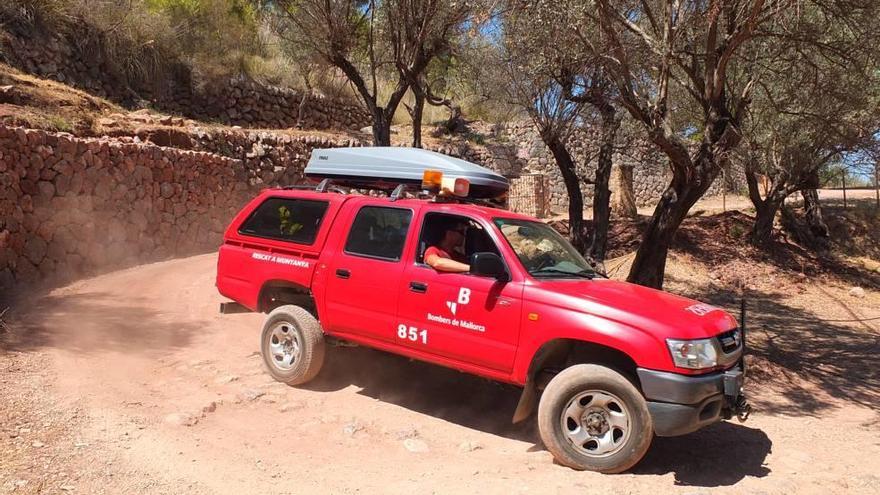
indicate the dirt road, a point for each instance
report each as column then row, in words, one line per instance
column 133, row 383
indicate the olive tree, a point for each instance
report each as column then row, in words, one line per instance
column 818, row 97
column 565, row 91
column 387, row 41
column 679, row 71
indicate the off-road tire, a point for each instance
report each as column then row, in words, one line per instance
column 575, row 380
column 311, row 343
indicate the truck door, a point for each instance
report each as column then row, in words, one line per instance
column 459, row 316
column 363, row 276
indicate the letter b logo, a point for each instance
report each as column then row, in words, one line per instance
column 464, row 295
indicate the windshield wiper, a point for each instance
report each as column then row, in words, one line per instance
column 553, row 271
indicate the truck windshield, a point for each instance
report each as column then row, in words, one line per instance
column 542, row 251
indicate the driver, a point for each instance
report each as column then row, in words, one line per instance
column 446, row 255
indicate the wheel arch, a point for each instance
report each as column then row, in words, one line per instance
column 275, row 293
column 557, row 354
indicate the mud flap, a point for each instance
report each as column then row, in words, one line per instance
column 230, row 308
column 527, row 402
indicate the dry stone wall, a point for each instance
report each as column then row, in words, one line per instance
column 238, row 101
column 651, row 174
column 250, row 104
column 71, row 206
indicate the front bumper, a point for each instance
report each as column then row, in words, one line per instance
column 680, row 404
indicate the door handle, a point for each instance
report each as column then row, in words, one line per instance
column 343, row 273
column 420, row 287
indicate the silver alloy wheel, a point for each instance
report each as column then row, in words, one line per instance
column 284, row 345
column 596, row 423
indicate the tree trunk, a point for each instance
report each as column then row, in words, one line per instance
column 765, row 214
column 601, row 191
column 650, row 262
column 684, row 190
column 577, row 230
column 625, row 200
column 813, row 209
column 381, row 128
column 416, row 115
column 765, row 208
column 301, row 111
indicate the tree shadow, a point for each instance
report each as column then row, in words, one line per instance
column 803, row 354
column 93, row 322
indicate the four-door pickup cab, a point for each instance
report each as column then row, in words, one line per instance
column 613, row 363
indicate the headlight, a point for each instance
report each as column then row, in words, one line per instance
column 693, row 354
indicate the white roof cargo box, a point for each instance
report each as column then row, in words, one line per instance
column 390, row 166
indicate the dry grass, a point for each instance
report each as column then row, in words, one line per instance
column 45, row 104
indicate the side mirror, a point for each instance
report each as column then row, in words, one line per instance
column 489, row 265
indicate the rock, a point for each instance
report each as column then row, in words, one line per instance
column 857, row 292
column 167, row 190
column 257, row 151
column 181, row 419
column 35, row 249
column 407, row 433
column 250, row 394
column 211, row 407
column 38, row 444
column 67, row 488
column 291, row 406
column 415, row 445
column 351, row 428
column 226, row 379
column 46, row 188
column 469, row 446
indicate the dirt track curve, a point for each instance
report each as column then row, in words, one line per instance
column 133, row 383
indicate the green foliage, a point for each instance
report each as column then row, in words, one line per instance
column 59, row 123
column 144, row 42
column 736, row 231
column 174, row 7
column 288, row 225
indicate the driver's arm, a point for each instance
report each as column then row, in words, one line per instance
column 442, row 264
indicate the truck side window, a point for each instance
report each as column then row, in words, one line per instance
column 378, row 232
column 476, row 239
column 286, row 219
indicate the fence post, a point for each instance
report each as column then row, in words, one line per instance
column 843, row 181
column 723, row 190
column 877, row 183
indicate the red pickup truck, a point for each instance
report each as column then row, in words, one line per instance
column 607, row 364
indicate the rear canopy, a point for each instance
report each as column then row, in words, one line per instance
column 389, row 166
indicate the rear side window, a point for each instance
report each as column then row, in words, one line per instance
column 378, row 232
column 293, row 220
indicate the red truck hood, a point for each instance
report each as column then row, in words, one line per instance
column 659, row 313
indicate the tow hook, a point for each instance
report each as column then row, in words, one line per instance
column 742, row 408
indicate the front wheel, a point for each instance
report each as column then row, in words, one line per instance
column 292, row 345
column 592, row 418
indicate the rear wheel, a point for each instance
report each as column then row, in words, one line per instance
column 592, row 418
column 292, row 345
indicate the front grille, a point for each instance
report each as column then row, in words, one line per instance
column 730, row 340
